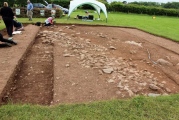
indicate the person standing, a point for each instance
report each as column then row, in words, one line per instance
column 29, row 10
column 7, row 16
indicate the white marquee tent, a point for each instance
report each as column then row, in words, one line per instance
column 98, row 6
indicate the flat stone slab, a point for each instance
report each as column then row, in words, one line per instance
column 11, row 57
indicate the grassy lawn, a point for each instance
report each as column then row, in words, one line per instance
column 139, row 108
column 162, row 26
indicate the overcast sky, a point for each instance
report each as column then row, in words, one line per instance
column 160, row 1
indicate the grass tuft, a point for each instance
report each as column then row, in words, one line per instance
column 139, row 108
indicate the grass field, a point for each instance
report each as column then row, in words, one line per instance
column 162, row 26
column 139, row 108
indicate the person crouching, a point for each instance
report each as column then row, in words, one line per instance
column 8, row 42
column 18, row 26
column 49, row 21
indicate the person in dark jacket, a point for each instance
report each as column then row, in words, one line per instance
column 8, row 42
column 7, row 16
column 18, row 26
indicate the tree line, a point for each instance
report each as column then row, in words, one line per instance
column 169, row 5
column 65, row 3
column 151, row 8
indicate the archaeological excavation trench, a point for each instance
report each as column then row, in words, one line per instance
column 77, row 64
column 34, row 81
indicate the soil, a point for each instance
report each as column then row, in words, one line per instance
column 77, row 64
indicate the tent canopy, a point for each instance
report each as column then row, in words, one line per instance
column 98, row 6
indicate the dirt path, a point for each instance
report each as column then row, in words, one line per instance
column 94, row 63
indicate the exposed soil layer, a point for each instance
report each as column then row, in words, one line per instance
column 34, row 82
column 75, row 63
column 102, row 63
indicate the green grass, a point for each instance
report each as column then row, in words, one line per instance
column 162, row 26
column 139, row 108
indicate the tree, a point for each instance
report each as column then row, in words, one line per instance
column 102, row 1
column 174, row 5
column 124, row 2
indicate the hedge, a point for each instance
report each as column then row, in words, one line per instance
column 131, row 8
column 114, row 6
